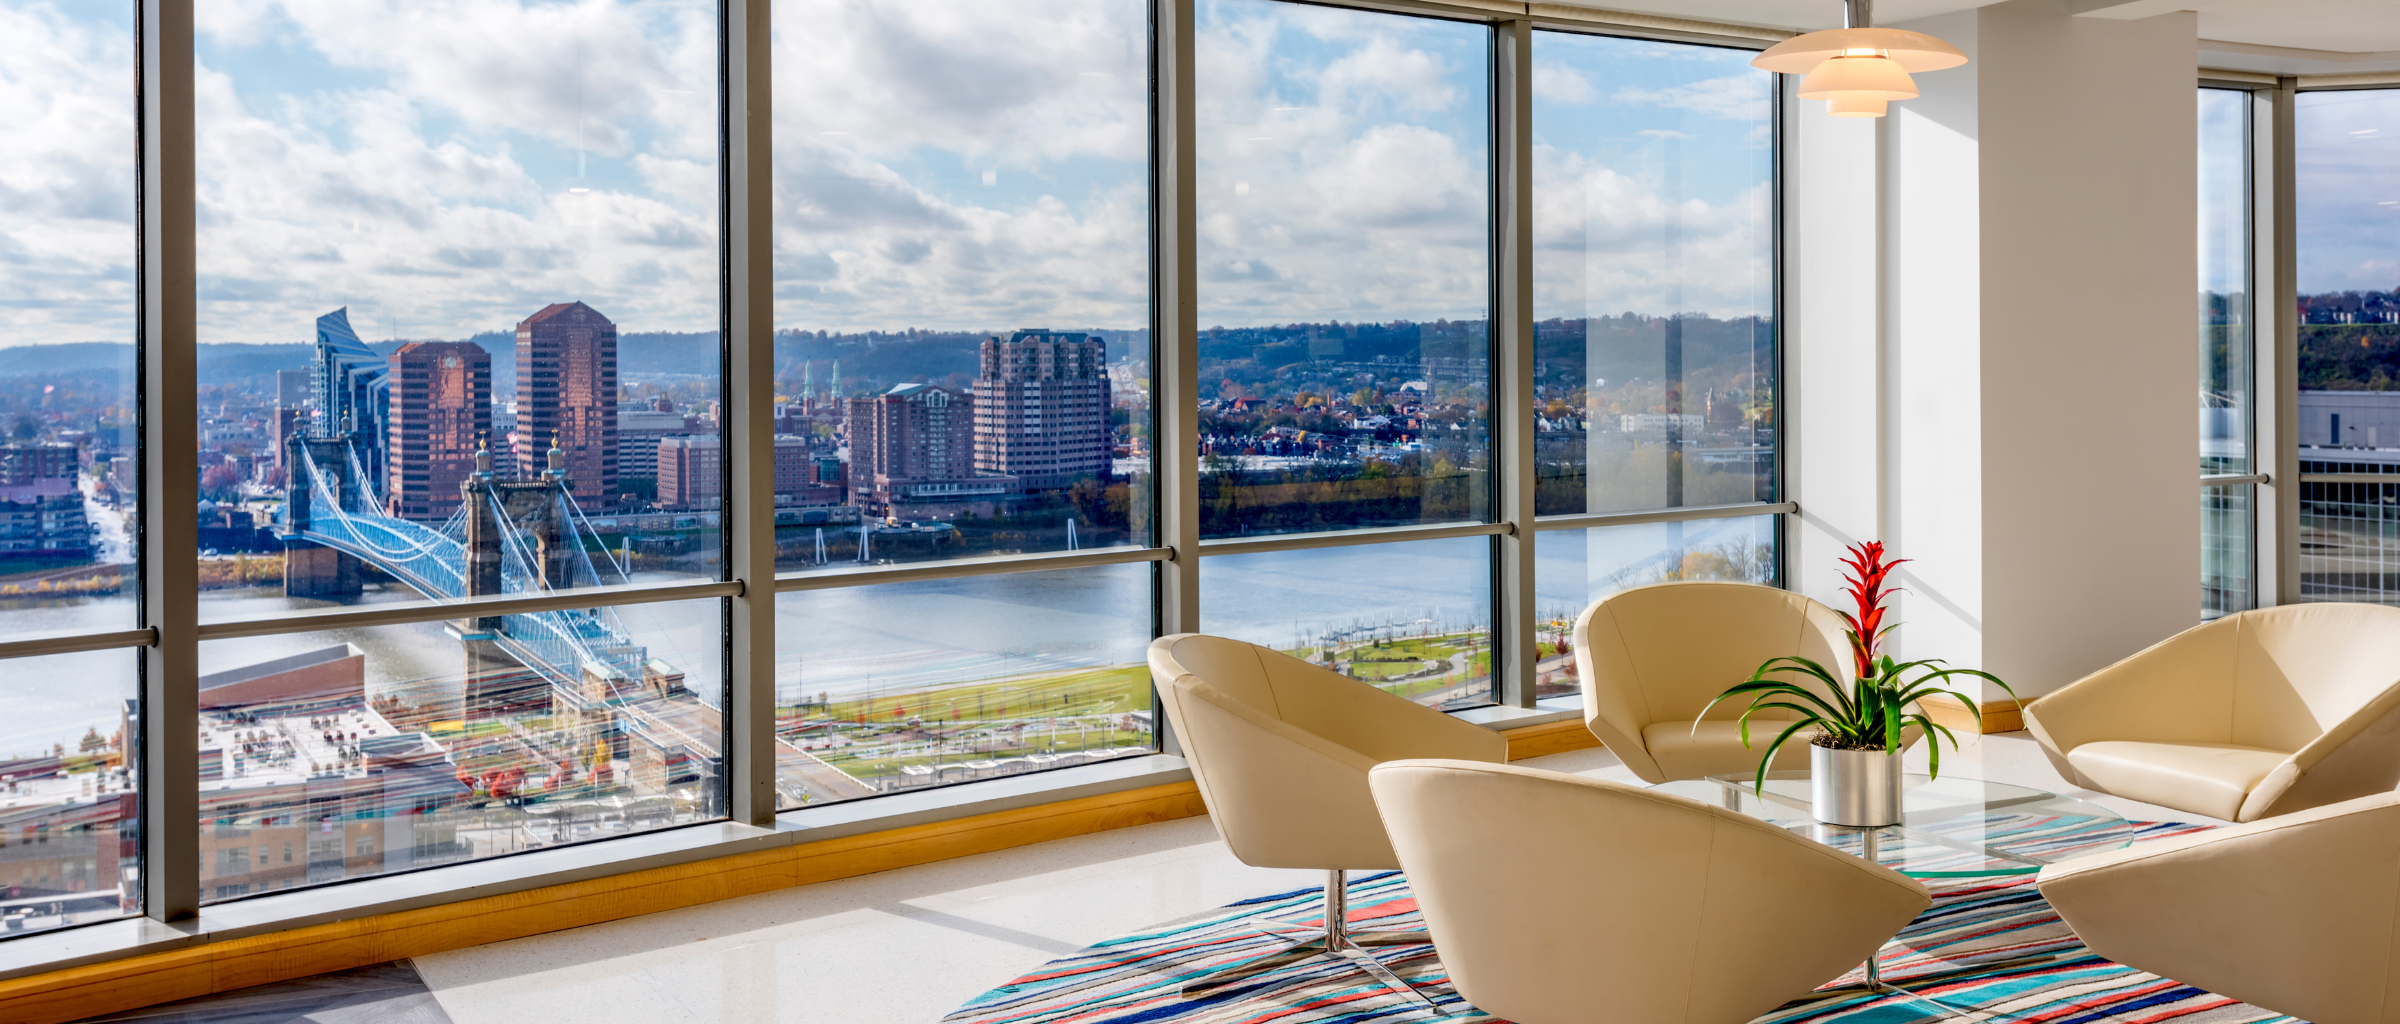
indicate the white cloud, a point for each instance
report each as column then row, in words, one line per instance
column 1737, row 97
column 1609, row 243
column 1553, row 83
column 66, row 177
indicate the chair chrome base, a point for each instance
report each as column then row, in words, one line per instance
column 1336, row 940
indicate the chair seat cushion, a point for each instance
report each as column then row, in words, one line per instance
column 1715, row 747
column 2203, row 778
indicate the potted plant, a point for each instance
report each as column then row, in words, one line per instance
column 1854, row 760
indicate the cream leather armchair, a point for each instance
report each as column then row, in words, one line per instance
column 1651, row 657
column 2295, row 914
column 1675, row 911
column 2260, row 713
column 1280, row 749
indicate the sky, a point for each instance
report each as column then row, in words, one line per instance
column 2348, row 190
column 447, row 167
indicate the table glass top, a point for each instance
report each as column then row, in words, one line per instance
column 1950, row 827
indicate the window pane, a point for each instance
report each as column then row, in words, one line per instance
column 363, row 752
column 423, row 236
column 1413, row 617
column 1574, row 568
column 1653, row 180
column 909, row 685
column 2225, row 557
column 2348, row 155
column 68, row 800
column 2225, row 350
column 962, row 288
column 1345, row 228
column 68, row 426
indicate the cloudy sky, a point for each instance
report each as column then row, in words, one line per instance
column 2348, row 190
column 448, row 166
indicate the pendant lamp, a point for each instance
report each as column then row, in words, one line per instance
column 1858, row 69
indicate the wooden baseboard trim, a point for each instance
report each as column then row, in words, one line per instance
column 1952, row 714
column 191, row 971
column 1554, row 738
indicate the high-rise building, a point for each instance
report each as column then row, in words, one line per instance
column 915, row 445
column 1041, row 409
column 691, row 473
column 567, row 393
column 353, row 391
column 441, row 410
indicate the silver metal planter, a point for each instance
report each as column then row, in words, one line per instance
column 1860, row 788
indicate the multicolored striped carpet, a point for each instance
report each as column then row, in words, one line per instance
column 1991, row 944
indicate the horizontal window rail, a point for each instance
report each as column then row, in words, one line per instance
column 2235, row 479
column 1666, row 515
column 2350, row 478
column 473, row 607
column 74, row 643
column 1347, row 538
column 995, row 565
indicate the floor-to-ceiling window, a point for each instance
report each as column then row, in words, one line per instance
column 69, row 464
column 1345, row 350
column 2347, row 260
column 2228, row 411
column 1655, row 329
column 450, row 557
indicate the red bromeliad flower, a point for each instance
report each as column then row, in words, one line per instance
column 1867, row 570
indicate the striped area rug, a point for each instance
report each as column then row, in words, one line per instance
column 1992, row 944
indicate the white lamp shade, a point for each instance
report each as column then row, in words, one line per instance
column 1913, row 51
column 1855, row 104
column 1862, row 77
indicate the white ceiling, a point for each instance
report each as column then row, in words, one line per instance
column 2275, row 36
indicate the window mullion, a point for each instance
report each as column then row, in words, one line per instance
column 2284, row 380
column 170, row 714
column 1175, row 314
column 750, row 390
column 1512, row 344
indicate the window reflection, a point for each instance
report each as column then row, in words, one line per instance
column 1653, row 275
column 1411, row 617
column 962, row 289
column 903, row 686
column 1575, row 568
column 69, row 794
column 356, row 753
column 69, row 457
column 1344, row 218
column 446, row 252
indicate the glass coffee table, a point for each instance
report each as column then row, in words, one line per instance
column 1950, row 828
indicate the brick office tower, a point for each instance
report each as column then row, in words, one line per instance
column 1041, row 409
column 441, row 409
column 913, row 444
column 567, row 389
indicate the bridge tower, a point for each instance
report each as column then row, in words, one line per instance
column 313, row 570
column 536, row 510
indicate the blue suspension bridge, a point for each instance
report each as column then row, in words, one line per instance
column 519, row 537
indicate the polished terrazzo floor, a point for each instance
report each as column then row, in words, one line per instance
column 900, row 946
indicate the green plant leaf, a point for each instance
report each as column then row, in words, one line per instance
column 1769, row 756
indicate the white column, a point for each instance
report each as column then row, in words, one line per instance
column 2002, row 387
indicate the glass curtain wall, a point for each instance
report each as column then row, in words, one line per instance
column 2228, row 417
column 2347, row 158
column 1345, row 349
column 962, row 344
column 70, row 478
column 1654, row 307
column 462, row 585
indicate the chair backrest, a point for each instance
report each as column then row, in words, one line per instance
column 2302, row 669
column 1660, row 653
column 1280, row 749
column 1669, row 910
